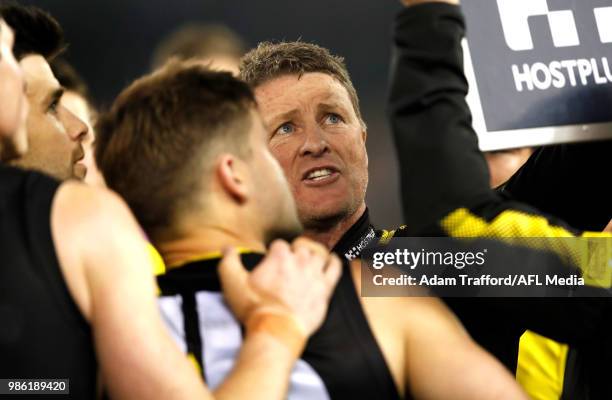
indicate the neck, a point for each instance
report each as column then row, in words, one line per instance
column 200, row 241
column 331, row 234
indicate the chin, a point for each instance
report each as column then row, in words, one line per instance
column 322, row 218
column 325, row 209
column 287, row 233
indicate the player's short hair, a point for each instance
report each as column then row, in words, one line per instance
column 162, row 132
column 198, row 41
column 271, row 60
column 36, row 31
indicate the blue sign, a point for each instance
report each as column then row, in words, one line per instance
column 540, row 64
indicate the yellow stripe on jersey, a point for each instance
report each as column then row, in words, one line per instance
column 195, row 363
column 509, row 223
column 542, row 361
column 386, row 235
column 541, row 366
column 209, row 256
column 159, row 268
column 591, row 252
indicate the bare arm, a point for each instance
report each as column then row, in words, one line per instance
column 442, row 361
column 428, row 351
column 107, row 268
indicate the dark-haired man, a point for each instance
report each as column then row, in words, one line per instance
column 77, row 100
column 69, row 303
column 187, row 149
column 55, row 134
column 13, row 136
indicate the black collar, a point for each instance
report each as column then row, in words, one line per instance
column 200, row 275
column 357, row 238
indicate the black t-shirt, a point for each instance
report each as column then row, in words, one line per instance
column 42, row 333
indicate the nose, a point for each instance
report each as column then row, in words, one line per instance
column 315, row 143
column 77, row 129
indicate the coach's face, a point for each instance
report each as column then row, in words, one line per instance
column 319, row 142
column 55, row 134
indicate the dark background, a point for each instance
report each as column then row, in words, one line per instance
column 111, row 43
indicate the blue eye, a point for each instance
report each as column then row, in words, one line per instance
column 286, row 129
column 334, row 119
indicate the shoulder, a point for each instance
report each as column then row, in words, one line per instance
column 89, row 205
column 91, row 221
column 414, row 315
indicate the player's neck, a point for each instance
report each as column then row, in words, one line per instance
column 202, row 241
column 330, row 235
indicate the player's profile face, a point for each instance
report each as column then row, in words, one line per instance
column 55, row 133
column 13, row 104
column 78, row 105
column 271, row 190
column 319, row 142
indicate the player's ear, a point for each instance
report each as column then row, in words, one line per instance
column 231, row 173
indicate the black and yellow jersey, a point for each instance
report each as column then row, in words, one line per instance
column 362, row 235
column 445, row 192
column 342, row 360
column 567, row 181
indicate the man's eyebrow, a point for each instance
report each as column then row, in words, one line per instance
column 283, row 116
column 54, row 96
column 330, row 105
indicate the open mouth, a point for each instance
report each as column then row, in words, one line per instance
column 320, row 175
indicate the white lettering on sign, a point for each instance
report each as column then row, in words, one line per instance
column 515, row 16
column 560, row 74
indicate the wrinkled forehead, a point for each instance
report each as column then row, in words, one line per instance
column 295, row 92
